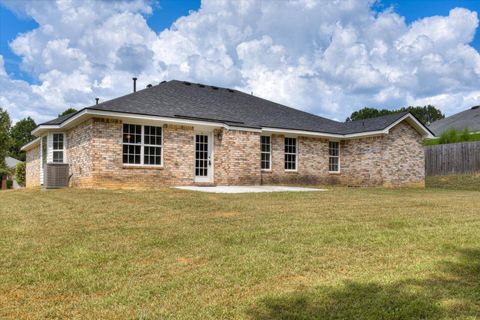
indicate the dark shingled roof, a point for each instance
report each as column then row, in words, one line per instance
column 373, row 124
column 185, row 100
column 469, row 119
column 59, row 120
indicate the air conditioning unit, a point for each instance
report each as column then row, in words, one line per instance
column 56, row 175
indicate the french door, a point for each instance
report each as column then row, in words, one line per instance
column 203, row 158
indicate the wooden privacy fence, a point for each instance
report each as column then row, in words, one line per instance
column 453, row 158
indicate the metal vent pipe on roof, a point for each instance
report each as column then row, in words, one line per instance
column 134, row 84
column 96, row 99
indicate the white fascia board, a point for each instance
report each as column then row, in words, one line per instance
column 30, row 145
column 323, row 135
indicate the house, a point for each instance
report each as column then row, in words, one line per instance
column 469, row 119
column 11, row 163
column 182, row 133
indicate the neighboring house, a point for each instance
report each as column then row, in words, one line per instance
column 181, row 133
column 469, row 119
column 11, row 163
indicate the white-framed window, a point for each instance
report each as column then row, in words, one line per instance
column 290, row 154
column 142, row 145
column 266, row 152
column 58, row 147
column 334, row 156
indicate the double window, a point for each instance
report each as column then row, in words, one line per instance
column 58, row 148
column 291, row 154
column 142, row 145
column 334, row 156
column 266, row 152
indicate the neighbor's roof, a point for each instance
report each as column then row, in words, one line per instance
column 185, row 100
column 466, row 119
column 11, row 162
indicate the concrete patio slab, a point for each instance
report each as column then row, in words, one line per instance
column 247, row 189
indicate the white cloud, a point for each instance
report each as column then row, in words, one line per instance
column 326, row 57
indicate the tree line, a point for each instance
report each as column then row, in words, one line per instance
column 426, row 114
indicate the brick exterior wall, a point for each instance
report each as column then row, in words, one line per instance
column 79, row 153
column 312, row 162
column 94, row 151
column 32, row 169
column 404, row 157
column 109, row 171
column 395, row 159
column 362, row 162
column 236, row 157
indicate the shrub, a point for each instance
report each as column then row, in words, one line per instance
column 9, row 184
column 449, row 136
column 453, row 136
column 20, row 173
column 465, row 135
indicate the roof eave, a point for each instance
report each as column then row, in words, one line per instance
column 30, row 145
column 90, row 112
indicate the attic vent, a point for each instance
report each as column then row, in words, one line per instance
column 149, row 85
column 186, row 83
column 163, row 81
column 214, row 88
column 230, row 90
column 201, row 85
column 475, row 107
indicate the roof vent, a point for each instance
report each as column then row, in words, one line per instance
column 96, row 99
column 475, row 107
column 134, row 84
column 230, row 90
column 186, row 83
column 163, row 81
column 149, row 85
column 214, row 88
column 201, row 85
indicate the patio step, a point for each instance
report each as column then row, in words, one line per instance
column 204, row 184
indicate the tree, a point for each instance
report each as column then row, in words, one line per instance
column 367, row 113
column 21, row 135
column 68, row 111
column 5, row 125
column 20, row 173
column 426, row 114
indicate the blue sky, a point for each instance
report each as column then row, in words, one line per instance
column 11, row 24
column 324, row 58
column 166, row 12
column 416, row 9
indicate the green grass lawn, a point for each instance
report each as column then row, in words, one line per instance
column 341, row 254
column 457, row 182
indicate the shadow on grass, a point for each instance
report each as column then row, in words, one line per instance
column 454, row 292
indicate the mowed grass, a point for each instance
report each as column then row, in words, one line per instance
column 170, row 254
